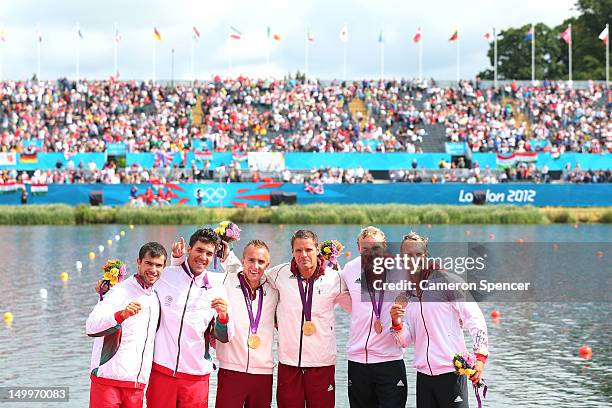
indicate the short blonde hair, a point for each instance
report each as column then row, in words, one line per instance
column 371, row 232
column 414, row 237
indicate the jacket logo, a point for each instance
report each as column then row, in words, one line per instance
column 167, row 300
column 292, row 276
column 358, row 280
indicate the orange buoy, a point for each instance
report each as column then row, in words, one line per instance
column 468, row 232
column 585, row 352
column 347, row 254
column 495, row 314
column 429, row 226
column 491, row 237
column 576, row 226
column 599, row 254
column 555, row 247
column 520, row 241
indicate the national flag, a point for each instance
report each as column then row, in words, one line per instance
column 380, row 37
column 603, row 36
column 454, row 36
column 417, row 36
column 507, row 160
column 310, row 35
column 344, row 36
column 240, row 156
column 196, row 34
column 530, row 34
column 234, row 33
column 80, row 33
column 488, row 36
column 567, row 35
column 165, row 157
column 203, row 156
column 274, row 36
column 31, row 158
column 39, row 188
column 11, row 187
column 157, row 34
column 117, row 35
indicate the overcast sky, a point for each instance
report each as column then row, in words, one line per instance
column 175, row 19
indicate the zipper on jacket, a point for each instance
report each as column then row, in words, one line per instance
column 368, row 338
column 144, row 348
column 178, row 354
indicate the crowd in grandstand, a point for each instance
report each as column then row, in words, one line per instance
column 290, row 115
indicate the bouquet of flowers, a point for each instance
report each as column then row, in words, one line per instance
column 229, row 232
column 114, row 272
column 464, row 365
column 330, row 250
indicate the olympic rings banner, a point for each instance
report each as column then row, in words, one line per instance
column 258, row 194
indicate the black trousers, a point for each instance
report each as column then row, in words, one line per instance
column 377, row 385
column 441, row 391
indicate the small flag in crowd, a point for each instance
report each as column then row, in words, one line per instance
column 39, row 189
column 274, row 36
column 310, row 35
column 235, row 34
column 196, row 34
column 344, row 34
column 529, row 36
column 157, row 34
column 417, row 36
column 240, row 156
column 603, row 36
column 567, row 35
column 165, row 157
column 203, row 156
column 454, row 36
column 31, row 158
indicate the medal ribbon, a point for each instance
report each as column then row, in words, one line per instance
column 249, row 303
column 306, row 297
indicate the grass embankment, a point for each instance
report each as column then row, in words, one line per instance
column 306, row 214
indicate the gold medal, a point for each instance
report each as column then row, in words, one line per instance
column 308, row 328
column 378, row 326
column 402, row 300
column 254, row 341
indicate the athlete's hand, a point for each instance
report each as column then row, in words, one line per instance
column 397, row 314
column 220, row 305
column 226, row 250
column 131, row 309
column 477, row 376
column 178, row 248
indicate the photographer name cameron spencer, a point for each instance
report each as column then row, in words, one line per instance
column 425, row 285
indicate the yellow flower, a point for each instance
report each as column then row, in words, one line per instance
column 327, row 250
column 457, row 364
column 114, row 272
column 224, row 224
column 113, row 280
column 107, row 276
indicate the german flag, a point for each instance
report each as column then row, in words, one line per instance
column 157, row 34
column 31, row 158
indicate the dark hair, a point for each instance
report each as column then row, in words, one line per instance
column 304, row 234
column 257, row 244
column 205, row 235
column 154, row 249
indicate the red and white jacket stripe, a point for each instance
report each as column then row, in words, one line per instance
column 123, row 349
column 364, row 344
column 181, row 344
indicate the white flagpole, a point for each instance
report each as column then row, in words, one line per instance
column 495, row 58
column 192, row 58
column 458, row 57
column 570, row 53
column 382, row 55
column 344, row 59
column 154, row 51
column 608, row 57
column 78, row 49
column 533, row 38
column 1, row 60
column 229, row 54
column 268, row 50
column 38, row 36
column 306, row 52
column 115, row 46
column 421, row 56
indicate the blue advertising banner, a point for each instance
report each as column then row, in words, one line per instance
column 116, row 149
column 258, row 194
column 455, row 148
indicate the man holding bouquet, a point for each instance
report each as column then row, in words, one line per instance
column 433, row 323
column 123, row 325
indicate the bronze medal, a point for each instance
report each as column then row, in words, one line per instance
column 378, row 326
column 402, row 300
column 308, row 328
column 254, row 341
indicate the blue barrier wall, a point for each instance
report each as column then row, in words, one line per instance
column 299, row 160
column 253, row 194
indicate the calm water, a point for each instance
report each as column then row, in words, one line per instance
column 534, row 347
